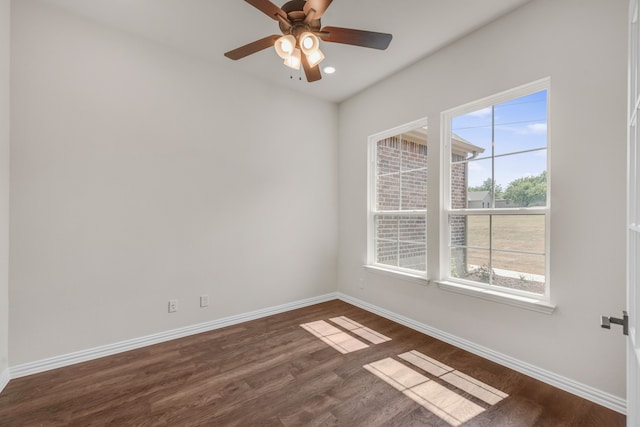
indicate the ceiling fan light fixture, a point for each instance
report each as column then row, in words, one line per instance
column 309, row 43
column 285, row 46
column 299, row 22
column 315, row 58
column 294, row 60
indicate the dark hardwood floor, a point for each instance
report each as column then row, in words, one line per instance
column 271, row 371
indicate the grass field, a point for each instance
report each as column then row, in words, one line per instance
column 525, row 233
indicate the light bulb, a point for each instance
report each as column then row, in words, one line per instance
column 308, row 43
column 285, row 45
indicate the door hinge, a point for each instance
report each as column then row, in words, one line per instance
column 605, row 322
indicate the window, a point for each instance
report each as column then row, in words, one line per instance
column 398, row 199
column 496, row 186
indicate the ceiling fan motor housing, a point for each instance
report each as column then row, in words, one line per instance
column 295, row 12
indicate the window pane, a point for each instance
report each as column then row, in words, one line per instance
column 501, row 250
column 388, row 174
column 386, row 239
column 414, row 189
column 413, row 182
column 399, row 209
column 472, row 132
column 458, row 186
column 401, row 241
column 414, row 155
column 521, row 124
column 498, row 161
column 523, row 233
column 523, row 178
column 478, row 231
column 388, row 192
column 412, row 244
column 470, row 264
column 524, row 272
column 401, row 181
column 471, row 184
column 470, row 245
column 458, row 230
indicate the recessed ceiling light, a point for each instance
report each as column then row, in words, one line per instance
column 329, row 70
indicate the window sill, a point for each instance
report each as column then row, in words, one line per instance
column 402, row 275
column 500, row 297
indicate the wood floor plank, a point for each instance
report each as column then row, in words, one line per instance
column 272, row 372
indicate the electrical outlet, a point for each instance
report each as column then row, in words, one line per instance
column 204, row 300
column 173, row 305
column 361, row 284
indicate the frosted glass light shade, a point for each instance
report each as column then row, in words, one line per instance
column 308, row 43
column 315, row 58
column 285, row 46
column 294, row 60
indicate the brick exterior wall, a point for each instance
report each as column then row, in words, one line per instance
column 401, row 185
column 458, row 223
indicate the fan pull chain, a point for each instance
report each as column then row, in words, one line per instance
column 299, row 76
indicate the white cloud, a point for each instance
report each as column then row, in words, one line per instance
column 537, row 128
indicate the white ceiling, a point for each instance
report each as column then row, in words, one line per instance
column 208, row 28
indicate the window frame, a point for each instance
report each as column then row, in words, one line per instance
column 540, row 302
column 420, row 276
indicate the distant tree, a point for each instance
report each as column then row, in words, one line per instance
column 527, row 190
column 487, row 185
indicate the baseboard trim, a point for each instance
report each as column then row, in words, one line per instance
column 132, row 344
column 597, row 396
column 4, row 379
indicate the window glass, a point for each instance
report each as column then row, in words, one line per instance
column 399, row 209
column 498, row 164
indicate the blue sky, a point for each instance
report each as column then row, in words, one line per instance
column 520, row 124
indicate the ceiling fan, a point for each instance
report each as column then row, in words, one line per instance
column 299, row 22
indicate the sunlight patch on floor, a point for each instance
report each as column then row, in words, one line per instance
column 447, row 403
column 343, row 341
column 400, row 376
column 339, row 340
column 362, row 331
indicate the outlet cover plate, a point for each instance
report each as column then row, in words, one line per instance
column 204, row 300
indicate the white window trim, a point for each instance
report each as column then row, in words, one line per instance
column 529, row 303
column 407, row 275
column 540, row 303
column 372, row 265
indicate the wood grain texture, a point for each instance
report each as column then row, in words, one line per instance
column 272, row 372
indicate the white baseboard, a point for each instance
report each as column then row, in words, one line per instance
column 132, row 344
column 607, row 400
column 4, row 379
column 597, row 396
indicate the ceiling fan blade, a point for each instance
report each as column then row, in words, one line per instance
column 268, row 8
column 318, row 5
column 313, row 73
column 356, row 37
column 250, row 48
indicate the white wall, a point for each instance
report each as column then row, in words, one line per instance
column 581, row 45
column 139, row 176
column 5, row 19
